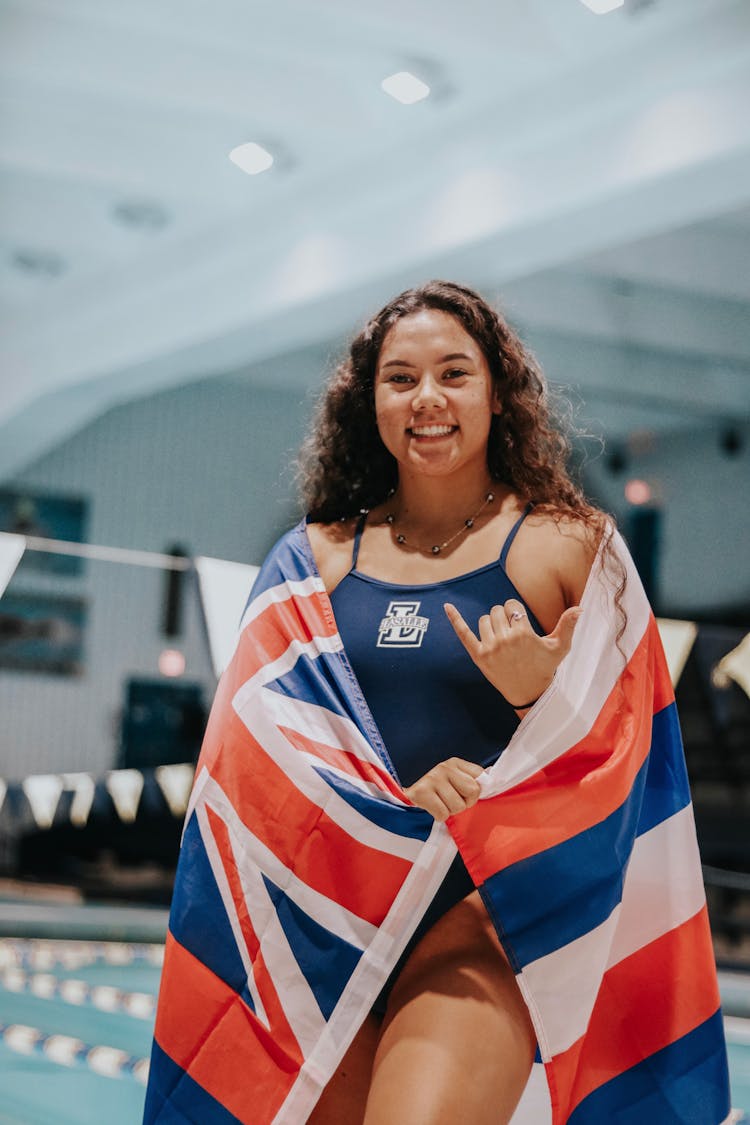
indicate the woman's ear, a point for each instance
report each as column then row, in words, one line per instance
column 497, row 406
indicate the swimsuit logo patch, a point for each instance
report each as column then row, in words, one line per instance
column 402, row 627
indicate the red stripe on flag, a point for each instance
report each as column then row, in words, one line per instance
column 209, row 1031
column 364, row 879
column 264, row 640
column 343, row 760
column 647, row 1001
column 281, row 1031
column 578, row 789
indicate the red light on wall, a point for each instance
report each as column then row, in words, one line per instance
column 638, row 492
column 171, row 662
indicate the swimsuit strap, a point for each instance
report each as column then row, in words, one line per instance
column 357, row 538
column 513, row 532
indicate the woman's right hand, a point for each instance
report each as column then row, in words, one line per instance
column 448, row 788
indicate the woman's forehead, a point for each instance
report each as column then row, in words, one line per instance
column 429, row 331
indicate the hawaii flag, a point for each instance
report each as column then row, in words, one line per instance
column 304, row 870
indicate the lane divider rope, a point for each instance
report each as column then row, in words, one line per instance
column 140, row 1005
column 46, row 953
column 65, row 1050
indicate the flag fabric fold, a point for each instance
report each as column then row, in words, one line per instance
column 304, row 870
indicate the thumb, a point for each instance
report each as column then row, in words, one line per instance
column 563, row 631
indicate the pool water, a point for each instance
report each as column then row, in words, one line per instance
column 62, row 1004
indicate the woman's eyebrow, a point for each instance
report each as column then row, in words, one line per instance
column 445, row 359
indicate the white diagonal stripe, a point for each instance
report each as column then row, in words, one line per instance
column 281, row 593
column 323, row 725
column 297, row 998
column 225, row 891
column 284, row 663
column 251, row 851
column 262, row 724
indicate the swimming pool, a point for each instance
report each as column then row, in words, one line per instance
column 76, row 1019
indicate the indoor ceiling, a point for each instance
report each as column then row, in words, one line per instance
column 593, row 172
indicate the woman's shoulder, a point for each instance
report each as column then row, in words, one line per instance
column 570, row 543
column 568, row 530
column 332, row 545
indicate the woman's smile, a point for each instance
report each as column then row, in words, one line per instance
column 431, row 433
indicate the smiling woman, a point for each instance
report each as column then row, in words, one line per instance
column 439, row 542
column 442, row 789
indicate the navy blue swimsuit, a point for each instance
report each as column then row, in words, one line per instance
column 428, row 698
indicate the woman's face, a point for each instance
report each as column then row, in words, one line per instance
column 434, row 395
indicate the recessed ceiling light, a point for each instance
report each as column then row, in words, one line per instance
column 141, row 213
column 251, row 158
column 41, row 263
column 601, row 7
column 405, row 87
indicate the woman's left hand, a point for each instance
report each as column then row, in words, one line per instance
column 513, row 657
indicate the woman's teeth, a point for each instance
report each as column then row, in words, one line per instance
column 431, row 431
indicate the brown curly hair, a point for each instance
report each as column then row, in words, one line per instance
column 345, row 467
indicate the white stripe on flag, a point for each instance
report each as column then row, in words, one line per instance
column 299, row 1004
column 323, row 725
column 282, row 593
column 249, row 849
column 663, row 886
column 262, row 722
column 663, row 889
column 569, row 707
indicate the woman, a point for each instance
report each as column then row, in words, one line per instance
column 447, row 678
column 458, row 417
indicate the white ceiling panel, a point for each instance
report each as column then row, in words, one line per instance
column 593, row 171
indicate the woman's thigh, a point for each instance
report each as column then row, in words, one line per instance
column 457, row 1043
column 344, row 1098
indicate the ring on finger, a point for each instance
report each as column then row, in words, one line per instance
column 516, row 615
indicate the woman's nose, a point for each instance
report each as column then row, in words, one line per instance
column 428, row 393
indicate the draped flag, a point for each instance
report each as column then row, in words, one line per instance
column 304, row 870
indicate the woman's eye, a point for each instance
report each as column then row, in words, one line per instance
column 454, row 373
column 399, row 378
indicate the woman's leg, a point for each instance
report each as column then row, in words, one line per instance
column 457, row 1043
column 343, row 1100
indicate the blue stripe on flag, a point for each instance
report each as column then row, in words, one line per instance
column 321, row 680
column 285, row 563
column 579, row 881
column 577, row 884
column 315, row 949
column 198, row 918
column 667, row 785
column 405, row 820
column 174, row 1098
column 686, row 1083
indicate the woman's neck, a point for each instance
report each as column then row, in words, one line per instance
column 433, row 504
